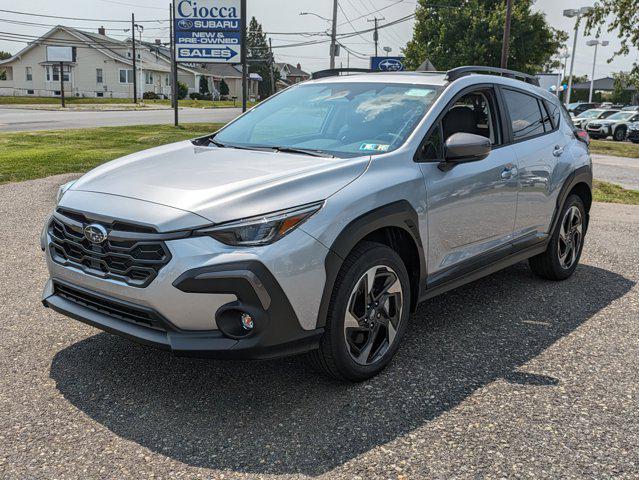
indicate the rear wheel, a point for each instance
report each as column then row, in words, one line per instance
column 367, row 315
column 561, row 258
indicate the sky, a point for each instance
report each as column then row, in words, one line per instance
column 282, row 17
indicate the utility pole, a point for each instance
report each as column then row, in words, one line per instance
column 62, row 84
column 376, row 32
column 506, row 39
column 135, row 70
column 334, row 35
column 245, row 75
column 272, row 69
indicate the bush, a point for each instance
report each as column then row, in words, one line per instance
column 183, row 90
column 200, row 96
column 150, row 96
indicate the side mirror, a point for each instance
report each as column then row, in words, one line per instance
column 466, row 147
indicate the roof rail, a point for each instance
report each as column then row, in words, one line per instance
column 334, row 72
column 459, row 72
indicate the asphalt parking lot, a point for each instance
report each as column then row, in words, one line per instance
column 509, row 376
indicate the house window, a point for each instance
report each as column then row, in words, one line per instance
column 148, row 77
column 167, row 80
column 30, row 92
column 28, row 73
column 99, row 94
column 53, row 73
column 126, row 76
column 98, row 75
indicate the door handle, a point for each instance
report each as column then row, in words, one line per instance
column 558, row 151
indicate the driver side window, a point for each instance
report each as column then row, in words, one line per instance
column 475, row 113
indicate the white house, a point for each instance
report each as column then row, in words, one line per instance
column 102, row 67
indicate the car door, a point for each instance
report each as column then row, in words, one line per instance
column 471, row 206
column 541, row 149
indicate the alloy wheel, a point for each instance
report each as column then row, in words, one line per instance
column 373, row 315
column 570, row 237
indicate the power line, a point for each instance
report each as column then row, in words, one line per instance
column 79, row 19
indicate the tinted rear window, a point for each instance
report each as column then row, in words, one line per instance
column 525, row 114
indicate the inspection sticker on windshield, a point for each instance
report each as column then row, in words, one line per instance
column 417, row 92
column 374, row 147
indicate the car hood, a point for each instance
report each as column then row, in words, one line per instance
column 607, row 122
column 222, row 184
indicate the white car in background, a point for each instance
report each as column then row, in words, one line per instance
column 582, row 119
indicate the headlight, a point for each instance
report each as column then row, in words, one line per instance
column 62, row 190
column 263, row 229
column 633, row 126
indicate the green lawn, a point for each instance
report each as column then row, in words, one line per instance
column 24, row 156
column 617, row 149
column 101, row 101
column 611, row 193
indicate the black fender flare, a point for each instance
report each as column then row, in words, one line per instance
column 580, row 175
column 400, row 214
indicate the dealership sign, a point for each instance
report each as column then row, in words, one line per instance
column 208, row 31
column 387, row 64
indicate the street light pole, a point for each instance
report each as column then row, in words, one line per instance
column 574, row 13
column 596, row 44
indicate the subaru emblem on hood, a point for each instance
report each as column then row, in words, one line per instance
column 95, row 233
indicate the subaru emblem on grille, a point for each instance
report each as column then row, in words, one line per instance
column 95, row 233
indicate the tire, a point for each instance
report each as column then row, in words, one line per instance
column 619, row 135
column 634, row 141
column 560, row 260
column 338, row 350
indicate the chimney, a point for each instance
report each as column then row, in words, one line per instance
column 158, row 41
column 101, row 30
column 299, row 67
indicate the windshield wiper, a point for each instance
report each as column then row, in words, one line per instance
column 304, row 151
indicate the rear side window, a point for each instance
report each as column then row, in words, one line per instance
column 525, row 114
column 554, row 112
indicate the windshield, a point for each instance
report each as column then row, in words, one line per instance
column 621, row 116
column 340, row 119
column 590, row 114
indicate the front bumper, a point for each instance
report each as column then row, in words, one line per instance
column 277, row 331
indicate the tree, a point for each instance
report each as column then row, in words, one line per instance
column 258, row 56
column 204, row 85
column 182, row 90
column 3, row 56
column 620, row 94
column 451, row 33
column 224, row 88
column 623, row 17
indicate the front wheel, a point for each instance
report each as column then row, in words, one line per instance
column 620, row 134
column 367, row 315
column 561, row 258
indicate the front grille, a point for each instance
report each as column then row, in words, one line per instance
column 122, row 311
column 135, row 262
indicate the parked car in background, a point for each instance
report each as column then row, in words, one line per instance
column 615, row 126
column 606, row 105
column 579, row 107
column 633, row 132
column 583, row 118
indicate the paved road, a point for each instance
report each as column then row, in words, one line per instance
column 620, row 170
column 510, row 376
column 13, row 120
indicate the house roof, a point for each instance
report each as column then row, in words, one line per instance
column 292, row 69
column 606, row 84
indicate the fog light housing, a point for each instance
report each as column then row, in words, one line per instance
column 247, row 322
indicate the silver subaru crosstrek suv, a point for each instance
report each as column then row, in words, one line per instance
column 316, row 222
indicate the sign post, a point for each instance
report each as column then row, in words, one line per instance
column 211, row 31
column 60, row 55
